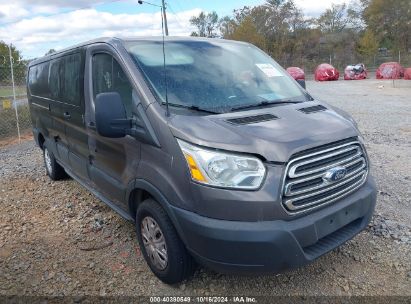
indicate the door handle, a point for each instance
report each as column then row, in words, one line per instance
column 66, row 115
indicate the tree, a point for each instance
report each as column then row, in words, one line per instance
column 341, row 27
column 283, row 25
column 241, row 13
column 278, row 27
column 390, row 22
column 247, row 31
column 18, row 68
column 4, row 54
column 334, row 19
column 50, row 51
column 368, row 44
column 206, row 24
column 227, row 26
column 354, row 14
column 345, row 33
column 275, row 2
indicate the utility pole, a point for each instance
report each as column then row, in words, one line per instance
column 163, row 12
column 165, row 17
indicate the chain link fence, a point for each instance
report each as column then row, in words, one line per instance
column 15, row 118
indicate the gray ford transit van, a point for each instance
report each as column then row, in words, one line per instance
column 214, row 151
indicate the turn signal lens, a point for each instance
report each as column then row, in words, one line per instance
column 194, row 170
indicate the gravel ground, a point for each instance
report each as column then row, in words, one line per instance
column 58, row 239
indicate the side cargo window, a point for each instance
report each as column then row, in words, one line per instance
column 38, row 75
column 65, row 79
column 70, row 84
column 54, row 79
column 108, row 76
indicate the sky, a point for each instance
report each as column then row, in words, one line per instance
column 36, row 26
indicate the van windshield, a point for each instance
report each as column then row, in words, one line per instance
column 213, row 75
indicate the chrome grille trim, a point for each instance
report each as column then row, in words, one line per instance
column 295, row 167
column 342, row 194
column 288, row 188
column 309, row 183
column 290, row 202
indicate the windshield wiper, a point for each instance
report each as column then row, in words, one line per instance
column 192, row 107
column 263, row 103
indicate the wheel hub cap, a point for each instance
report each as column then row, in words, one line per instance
column 154, row 242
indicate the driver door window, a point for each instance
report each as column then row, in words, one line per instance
column 108, row 76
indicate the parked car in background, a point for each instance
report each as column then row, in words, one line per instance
column 209, row 146
column 326, row 72
column 298, row 74
column 407, row 74
column 390, row 70
column 355, row 72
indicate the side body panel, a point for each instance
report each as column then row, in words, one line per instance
column 46, row 113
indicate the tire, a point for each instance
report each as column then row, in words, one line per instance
column 53, row 169
column 175, row 264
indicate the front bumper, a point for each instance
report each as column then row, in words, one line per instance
column 278, row 245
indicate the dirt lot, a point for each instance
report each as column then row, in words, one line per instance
column 57, row 239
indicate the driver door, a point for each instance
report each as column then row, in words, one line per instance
column 112, row 161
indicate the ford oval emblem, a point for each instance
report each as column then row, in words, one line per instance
column 334, row 174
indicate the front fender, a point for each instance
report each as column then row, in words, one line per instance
column 141, row 184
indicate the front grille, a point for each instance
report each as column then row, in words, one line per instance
column 306, row 188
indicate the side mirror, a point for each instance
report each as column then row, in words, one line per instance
column 111, row 117
column 301, row 82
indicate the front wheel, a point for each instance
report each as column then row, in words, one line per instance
column 162, row 248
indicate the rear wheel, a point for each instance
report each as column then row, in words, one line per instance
column 53, row 169
column 162, row 248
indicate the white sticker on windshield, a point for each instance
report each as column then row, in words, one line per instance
column 268, row 69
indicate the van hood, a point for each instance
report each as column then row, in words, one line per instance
column 275, row 140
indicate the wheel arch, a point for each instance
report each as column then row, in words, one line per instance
column 40, row 136
column 140, row 190
column 41, row 140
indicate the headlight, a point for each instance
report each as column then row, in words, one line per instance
column 222, row 169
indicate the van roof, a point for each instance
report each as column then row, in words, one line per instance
column 117, row 40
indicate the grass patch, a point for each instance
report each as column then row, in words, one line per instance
column 7, row 91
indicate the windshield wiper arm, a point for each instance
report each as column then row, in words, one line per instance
column 263, row 103
column 192, row 107
column 196, row 108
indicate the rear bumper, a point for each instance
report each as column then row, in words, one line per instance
column 275, row 246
